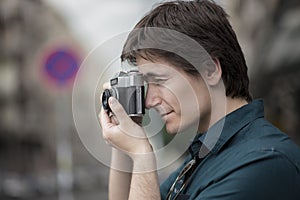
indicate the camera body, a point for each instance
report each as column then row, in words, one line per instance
column 128, row 88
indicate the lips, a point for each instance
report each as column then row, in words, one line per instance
column 166, row 114
column 163, row 112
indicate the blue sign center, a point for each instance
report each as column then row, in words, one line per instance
column 61, row 66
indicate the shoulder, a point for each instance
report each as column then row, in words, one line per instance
column 260, row 142
column 271, row 177
column 261, row 139
column 260, row 162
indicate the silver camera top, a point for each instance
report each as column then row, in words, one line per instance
column 127, row 79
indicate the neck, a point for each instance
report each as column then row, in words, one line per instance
column 234, row 104
column 220, row 109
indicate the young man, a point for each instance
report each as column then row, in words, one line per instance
column 249, row 158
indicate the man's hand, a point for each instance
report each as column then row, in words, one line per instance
column 127, row 136
column 122, row 132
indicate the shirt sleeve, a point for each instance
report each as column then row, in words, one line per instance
column 273, row 177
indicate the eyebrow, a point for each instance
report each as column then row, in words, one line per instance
column 152, row 74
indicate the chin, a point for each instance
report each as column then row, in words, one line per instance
column 172, row 130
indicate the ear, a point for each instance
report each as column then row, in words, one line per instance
column 213, row 72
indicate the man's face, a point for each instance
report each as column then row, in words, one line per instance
column 182, row 100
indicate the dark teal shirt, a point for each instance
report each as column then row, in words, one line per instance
column 250, row 159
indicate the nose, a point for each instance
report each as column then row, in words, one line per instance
column 153, row 97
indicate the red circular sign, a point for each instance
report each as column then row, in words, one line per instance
column 61, row 66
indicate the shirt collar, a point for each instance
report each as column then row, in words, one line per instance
column 215, row 138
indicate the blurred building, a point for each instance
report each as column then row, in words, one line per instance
column 28, row 139
column 268, row 30
column 270, row 34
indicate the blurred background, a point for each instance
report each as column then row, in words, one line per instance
column 43, row 43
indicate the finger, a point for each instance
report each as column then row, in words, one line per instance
column 105, row 121
column 118, row 110
column 107, row 142
column 106, row 85
column 114, row 120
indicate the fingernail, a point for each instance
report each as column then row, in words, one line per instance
column 112, row 101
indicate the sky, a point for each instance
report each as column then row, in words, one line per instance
column 94, row 21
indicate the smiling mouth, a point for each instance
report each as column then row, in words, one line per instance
column 165, row 114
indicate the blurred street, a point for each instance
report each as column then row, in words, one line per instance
column 43, row 44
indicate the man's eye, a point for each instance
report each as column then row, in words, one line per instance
column 160, row 80
column 156, row 80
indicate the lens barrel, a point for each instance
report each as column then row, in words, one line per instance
column 105, row 96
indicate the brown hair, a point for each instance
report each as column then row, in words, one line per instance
column 207, row 23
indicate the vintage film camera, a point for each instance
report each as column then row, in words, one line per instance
column 128, row 88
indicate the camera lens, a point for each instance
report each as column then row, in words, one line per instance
column 105, row 96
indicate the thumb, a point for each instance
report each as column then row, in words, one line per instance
column 118, row 110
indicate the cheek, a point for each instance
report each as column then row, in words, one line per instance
column 170, row 99
column 186, row 98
